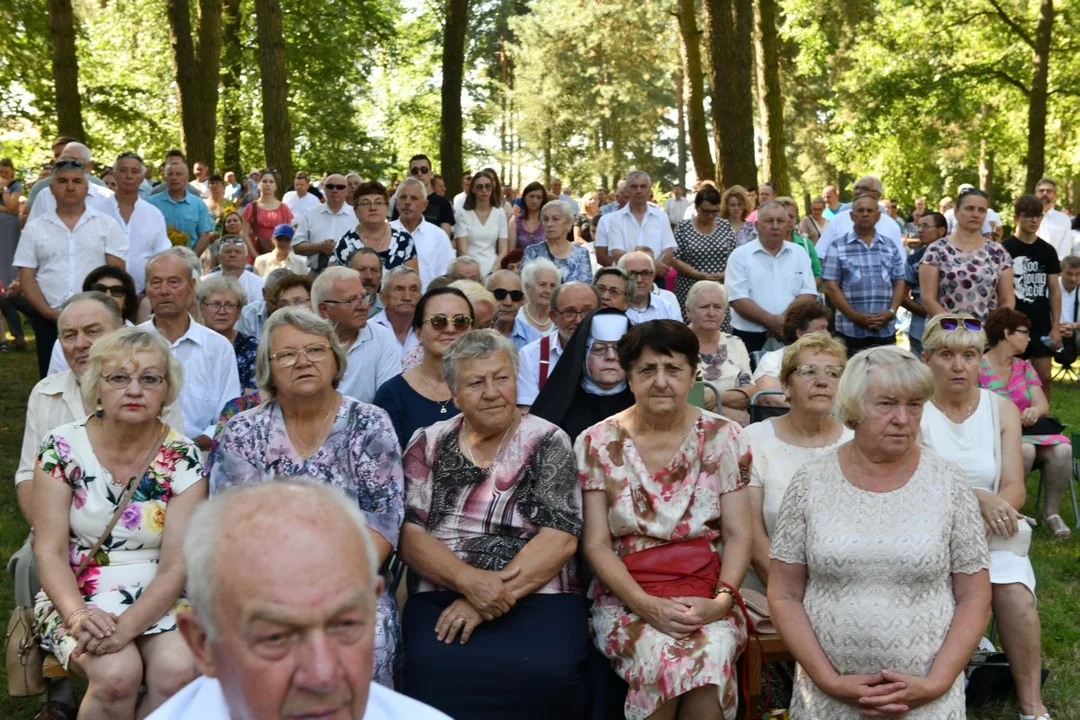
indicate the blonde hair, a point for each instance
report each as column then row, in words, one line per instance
column 896, row 370
column 937, row 338
column 123, row 345
column 476, row 292
column 817, row 342
column 735, row 191
column 305, row 320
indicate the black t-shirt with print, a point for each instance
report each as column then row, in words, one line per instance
column 1033, row 264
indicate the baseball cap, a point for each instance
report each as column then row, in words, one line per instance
column 284, row 230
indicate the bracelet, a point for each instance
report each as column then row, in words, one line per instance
column 77, row 613
column 724, row 591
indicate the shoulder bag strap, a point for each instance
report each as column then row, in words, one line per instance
column 995, row 411
column 133, row 485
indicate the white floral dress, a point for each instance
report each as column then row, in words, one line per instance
column 134, row 546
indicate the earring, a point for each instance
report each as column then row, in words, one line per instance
column 99, row 410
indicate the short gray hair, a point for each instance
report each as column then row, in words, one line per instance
column 275, row 277
column 702, row 286
column 412, row 181
column 304, row 320
column 324, row 284
column 528, row 273
column 220, row 283
column 80, row 149
column 896, row 369
column 363, row 250
column 572, row 284
column 559, row 205
column 622, row 261
column 466, row 259
column 206, row 529
column 184, row 253
column 125, row 343
column 397, row 272
column 475, row 345
column 111, row 306
column 638, row 173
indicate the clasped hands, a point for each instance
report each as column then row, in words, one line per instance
column 885, row 693
column 681, row 617
column 487, row 597
column 97, row 632
column 873, row 321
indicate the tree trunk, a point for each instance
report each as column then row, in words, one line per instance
column 694, row 79
column 547, row 158
column 453, row 69
column 680, row 111
column 65, row 70
column 277, row 130
column 196, row 59
column 232, row 114
column 1036, row 151
column 729, row 27
column 771, row 96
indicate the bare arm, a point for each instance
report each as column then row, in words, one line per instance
column 32, row 291
column 1055, row 307
column 24, row 493
column 664, row 261
column 462, row 244
column 684, row 268
column 116, row 262
column 540, row 560
column 768, row 382
column 972, row 595
column 603, row 257
column 911, row 304
column 786, row 588
column 759, row 557
column 738, row 534
column 511, row 235
column 738, row 399
column 1006, row 295
column 52, row 506
column 928, row 289
column 202, row 243
column 754, row 313
column 446, row 229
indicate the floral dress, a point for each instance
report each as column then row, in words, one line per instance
column 729, row 367
column 133, row 547
column 1017, row 387
column 578, row 266
column 705, row 253
column 246, row 348
column 401, row 250
column 360, row 457
column 968, row 281
column 681, row 502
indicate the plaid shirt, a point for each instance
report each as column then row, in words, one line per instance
column 866, row 275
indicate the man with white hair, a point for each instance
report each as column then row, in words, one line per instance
column 98, row 196
column 570, row 303
column 842, row 222
column 639, row 223
column 433, row 249
column 556, row 190
column 464, row 267
column 373, row 353
column 319, row 229
column 59, row 248
column 646, row 303
column 184, row 210
column 266, row 654
column 231, row 252
column 400, row 292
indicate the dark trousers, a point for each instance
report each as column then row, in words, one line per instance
column 45, row 333
column 855, row 344
column 11, row 314
column 753, row 341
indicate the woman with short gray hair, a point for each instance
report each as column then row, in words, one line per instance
column 850, row 527
column 572, row 259
column 305, row 427
column 220, row 299
column 492, row 521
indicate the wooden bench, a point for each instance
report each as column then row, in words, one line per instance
column 774, row 647
column 53, row 670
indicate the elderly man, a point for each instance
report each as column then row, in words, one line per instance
column 842, row 223
column 58, row 249
column 400, row 292
column 98, row 196
column 319, row 229
column 439, row 212
column 368, row 263
column 618, row 201
column 570, row 303
column 321, row 628
column 464, row 268
column 556, row 190
column 832, row 202
column 639, row 223
column 143, row 224
column 1056, row 226
column 764, row 276
column 509, row 294
column 646, row 301
column 864, row 280
column 433, row 248
column 232, row 256
column 184, row 211
column 208, row 359
column 373, row 353
column 257, row 311
column 614, row 287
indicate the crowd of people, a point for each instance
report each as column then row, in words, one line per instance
column 532, row 455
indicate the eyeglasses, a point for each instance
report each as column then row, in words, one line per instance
column 365, row 204
column 501, row 294
column 607, row 290
column 233, row 240
column 117, row 291
column 439, row 323
column 480, row 186
column 419, row 170
column 357, row 300
column 1025, row 331
column 298, row 302
column 811, row 372
column 950, row 324
column 219, row 306
column 640, row 273
column 601, row 349
column 149, row 381
column 568, row 312
column 314, row 353
column 334, row 186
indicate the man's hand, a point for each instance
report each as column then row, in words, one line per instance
column 204, row 443
column 775, row 324
column 1055, row 338
column 1065, row 330
column 326, row 247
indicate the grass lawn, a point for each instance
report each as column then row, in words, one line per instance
column 1056, row 563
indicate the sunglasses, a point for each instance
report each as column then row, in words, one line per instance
column 269, row 170
column 954, row 323
column 68, row 164
column 129, row 154
column 117, row 291
column 419, row 170
column 334, row 186
column 515, row 295
column 232, row 241
column 439, row 323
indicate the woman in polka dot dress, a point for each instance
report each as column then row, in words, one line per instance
column 703, row 245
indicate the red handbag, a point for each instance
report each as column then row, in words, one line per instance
column 690, row 568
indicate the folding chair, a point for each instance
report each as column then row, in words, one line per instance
column 1073, row 477
column 764, row 412
column 697, row 395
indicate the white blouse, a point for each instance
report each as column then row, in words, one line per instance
column 483, row 237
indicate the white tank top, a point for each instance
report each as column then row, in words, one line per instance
column 970, row 444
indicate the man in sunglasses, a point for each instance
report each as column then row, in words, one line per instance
column 506, row 287
column 98, row 196
column 433, row 248
column 319, row 228
column 439, row 212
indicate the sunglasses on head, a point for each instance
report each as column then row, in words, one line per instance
column 515, row 295
column 129, row 154
column 334, row 186
column 269, row 170
column 438, row 323
column 954, row 323
column 68, row 164
column 419, row 170
column 232, row 240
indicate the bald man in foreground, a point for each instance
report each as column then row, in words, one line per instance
column 283, row 579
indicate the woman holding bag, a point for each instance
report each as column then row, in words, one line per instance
column 674, row 642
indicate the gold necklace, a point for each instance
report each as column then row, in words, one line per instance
column 463, row 442
column 319, row 439
column 433, row 388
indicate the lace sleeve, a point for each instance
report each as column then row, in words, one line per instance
column 967, row 541
column 789, row 537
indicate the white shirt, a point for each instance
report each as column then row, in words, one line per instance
column 571, row 203
column 1056, row 229
column 252, row 317
column 1068, row 303
column 659, row 308
column 528, row 379
column 676, row 209
column 252, row 284
column 203, row 186
column 459, row 201
column 433, row 249
column 624, row 233
column 410, row 339
column 268, row 263
column 63, row 258
column 483, row 237
column 56, row 401
column 211, row 378
column 98, row 197
column 203, row 699
column 841, row 224
column 772, row 282
column 768, row 365
column 146, row 235
column 300, row 205
column 372, row 359
column 321, row 223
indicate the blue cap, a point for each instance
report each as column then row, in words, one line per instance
column 284, row 229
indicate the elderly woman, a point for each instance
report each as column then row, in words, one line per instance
column 980, row 432
column 533, row 321
column 305, row 428
column 703, row 245
column 112, row 496
column 965, row 272
column 419, row 396
column 872, row 631
column 481, row 229
column 676, row 648
column 220, row 300
column 492, row 520
column 724, row 360
column 570, row 258
column 1004, row 371
column 267, row 212
column 809, row 375
column 393, row 246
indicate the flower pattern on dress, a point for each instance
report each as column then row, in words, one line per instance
column 578, row 266
column 247, row 348
column 729, row 367
column 401, row 250
column 967, row 281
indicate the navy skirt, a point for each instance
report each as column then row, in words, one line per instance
column 529, row 663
